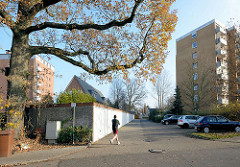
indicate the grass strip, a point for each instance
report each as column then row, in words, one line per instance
column 215, row 136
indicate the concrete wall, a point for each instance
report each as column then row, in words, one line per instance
column 102, row 120
column 93, row 115
column 83, row 115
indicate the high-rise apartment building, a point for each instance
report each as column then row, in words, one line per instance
column 207, row 66
column 41, row 77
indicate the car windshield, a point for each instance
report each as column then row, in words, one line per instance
column 174, row 117
column 167, row 116
column 191, row 117
column 200, row 119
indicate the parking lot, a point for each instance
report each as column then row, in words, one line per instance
column 148, row 144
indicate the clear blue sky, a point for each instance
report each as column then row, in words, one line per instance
column 191, row 14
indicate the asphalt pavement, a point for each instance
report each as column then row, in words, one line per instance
column 147, row 135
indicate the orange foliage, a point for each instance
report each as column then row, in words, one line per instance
column 83, row 35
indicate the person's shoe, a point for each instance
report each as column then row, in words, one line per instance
column 111, row 141
column 118, row 143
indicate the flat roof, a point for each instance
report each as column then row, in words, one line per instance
column 5, row 56
column 199, row 28
column 8, row 56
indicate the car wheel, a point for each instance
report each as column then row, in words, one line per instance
column 206, row 130
column 166, row 123
column 186, row 125
column 237, row 129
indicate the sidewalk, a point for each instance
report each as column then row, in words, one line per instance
column 37, row 156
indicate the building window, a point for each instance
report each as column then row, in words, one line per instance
column 194, row 55
column 195, row 98
column 195, row 76
column 195, row 87
column 194, row 35
column 194, row 65
column 194, row 45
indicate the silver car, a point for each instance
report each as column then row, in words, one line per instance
column 187, row 121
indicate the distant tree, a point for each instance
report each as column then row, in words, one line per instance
column 162, row 88
column 127, row 96
column 118, row 94
column 169, row 103
column 198, row 90
column 233, row 67
column 177, row 104
column 135, row 94
column 47, row 99
column 74, row 96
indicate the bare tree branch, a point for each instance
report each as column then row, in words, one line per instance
column 42, row 5
column 64, row 55
column 75, row 26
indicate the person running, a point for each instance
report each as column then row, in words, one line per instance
column 115, row 124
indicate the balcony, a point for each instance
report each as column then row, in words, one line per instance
column 220, row 42
column 220, row 29
column 39, row 68
column 38, row 91
column 221, row 53
column 38, row 76
column 37, row 98
column 238, row 91
column 223, row 41
column 225, row 101
column 222, row 76
column 39, row 84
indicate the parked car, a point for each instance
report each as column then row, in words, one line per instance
column 187, row 121
column 171, row 120
column 216, row 122
column 167, row 116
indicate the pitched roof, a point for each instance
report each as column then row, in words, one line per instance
column 89, row 89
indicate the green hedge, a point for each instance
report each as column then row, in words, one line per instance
column 81, row 134
column 155, row 116
column 231, row 111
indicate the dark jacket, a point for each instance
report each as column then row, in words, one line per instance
column 115, row 124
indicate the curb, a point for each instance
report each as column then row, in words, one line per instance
column 219, row 140
column 44, row 159
column 199, row 137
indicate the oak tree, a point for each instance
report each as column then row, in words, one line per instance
column 101, row 37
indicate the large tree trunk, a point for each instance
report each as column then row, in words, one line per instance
column 18, row 82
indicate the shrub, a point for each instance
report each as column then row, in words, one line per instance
column 157, row 118
column 154, row 116
column 76, row 96
column 81, row 134
column 231, row 111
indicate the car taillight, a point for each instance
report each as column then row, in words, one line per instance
column 180, row 120
column 199, row 123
